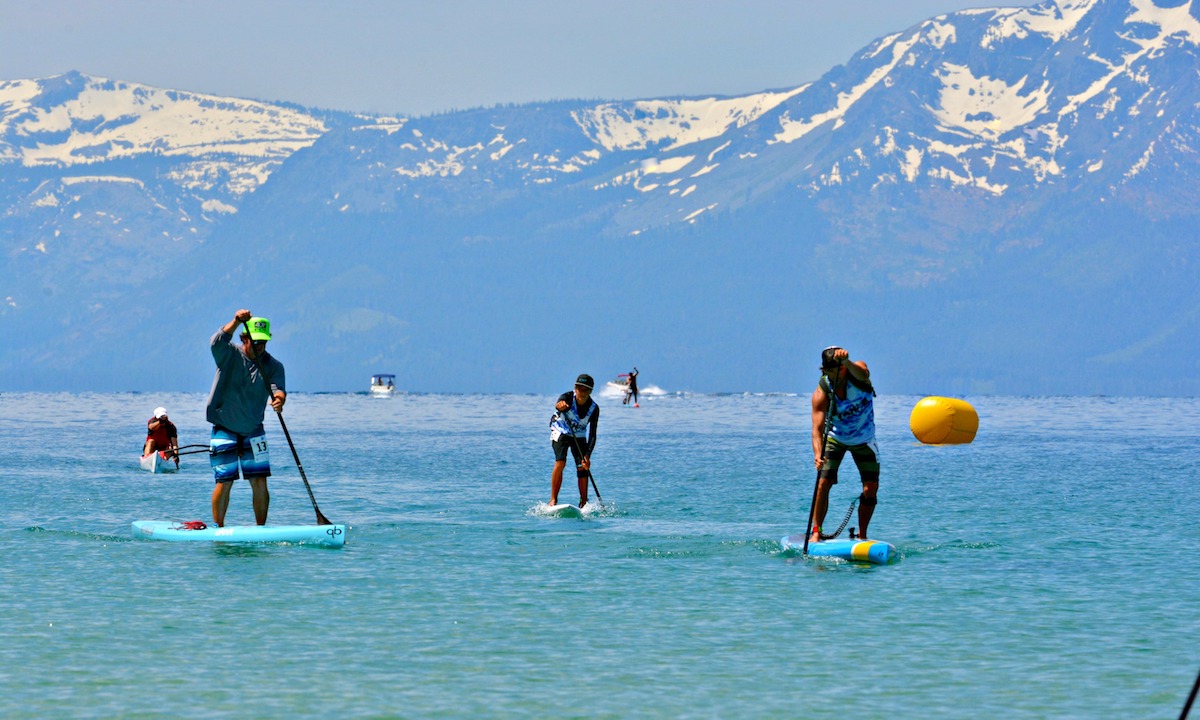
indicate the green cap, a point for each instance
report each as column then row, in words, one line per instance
column 260, row 328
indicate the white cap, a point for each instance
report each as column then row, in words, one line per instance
column 159, row 412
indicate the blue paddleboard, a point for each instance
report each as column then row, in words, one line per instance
column 328, row 535
column 872, row 551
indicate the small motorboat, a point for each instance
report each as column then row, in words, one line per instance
column 383, row 385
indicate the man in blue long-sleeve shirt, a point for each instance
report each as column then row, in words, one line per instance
column 247, row 379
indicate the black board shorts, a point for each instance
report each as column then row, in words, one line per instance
column 565, row 443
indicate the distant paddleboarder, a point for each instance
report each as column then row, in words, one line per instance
column 844, row 386
column 631, row 388
column 247, row 379
column 573, row 428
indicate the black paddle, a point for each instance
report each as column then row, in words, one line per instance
column 186, row 449
column 1187, row 706
column 578, row 449
column 824, row 439
column 321, row 519
column 206, row 450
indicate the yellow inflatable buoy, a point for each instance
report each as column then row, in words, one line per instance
column 944, row 421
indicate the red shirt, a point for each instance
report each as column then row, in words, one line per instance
column 163, row 435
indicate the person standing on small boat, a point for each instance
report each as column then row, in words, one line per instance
column 247, row 379
column 851, row 428
column 631, row 389
column 573, row 428
column 161, row 434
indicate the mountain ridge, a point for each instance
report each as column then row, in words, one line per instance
column 953, row 179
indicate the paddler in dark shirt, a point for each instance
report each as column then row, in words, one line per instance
column 247, row 379
column 573, row 428
column 631, row 390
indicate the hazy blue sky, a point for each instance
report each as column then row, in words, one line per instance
column 399, row 56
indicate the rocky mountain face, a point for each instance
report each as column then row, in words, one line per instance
column 992, row 201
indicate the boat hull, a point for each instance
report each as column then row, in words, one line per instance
column 159, row 462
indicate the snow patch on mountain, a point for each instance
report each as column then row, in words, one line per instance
column 452, row 160
column 387, row 125
column 218, row 207
column 1053, row 21
column 792, row 130
column 1171, row 22
column 638, row 125
column 77, row 179
column 986, row 107
column 940, row 34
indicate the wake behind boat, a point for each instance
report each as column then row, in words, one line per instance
column 871, row 551
column 618, row 384
column 325, row 535
column 616, row 390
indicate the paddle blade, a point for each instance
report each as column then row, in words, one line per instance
column 322, row 520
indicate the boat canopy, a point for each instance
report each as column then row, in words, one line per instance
column 381, row 378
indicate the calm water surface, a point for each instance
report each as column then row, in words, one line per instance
column 1048, row 569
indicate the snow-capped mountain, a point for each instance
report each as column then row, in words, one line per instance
column 74, row 121
column 1006, row 100
column 1002, row 101
column 982, row 176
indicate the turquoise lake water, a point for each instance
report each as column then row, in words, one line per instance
column 1048, row 570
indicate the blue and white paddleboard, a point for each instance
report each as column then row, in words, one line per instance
column 328, row 535
column 872, row 551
